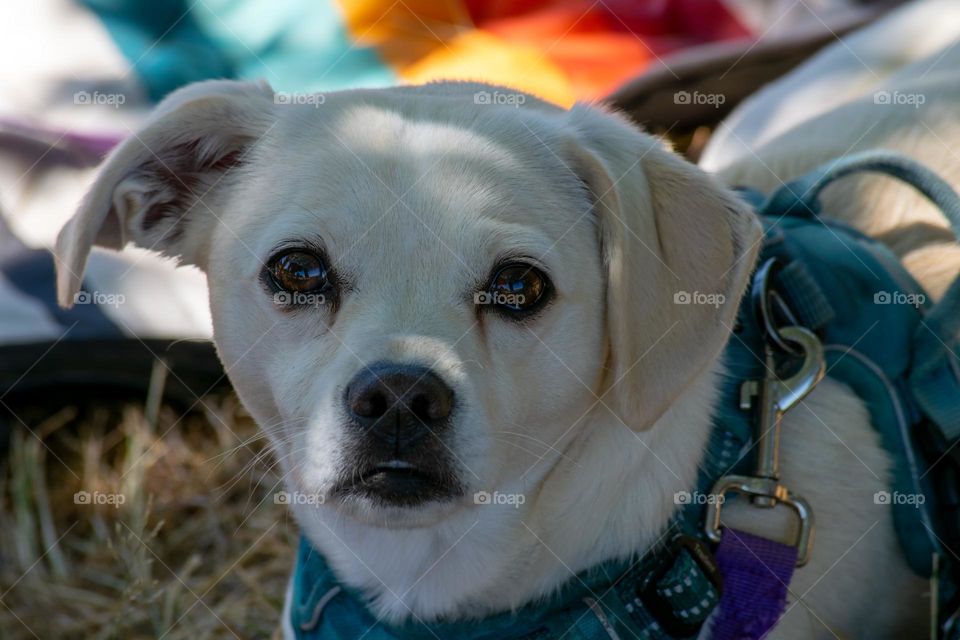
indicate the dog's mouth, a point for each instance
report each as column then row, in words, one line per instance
column 399, row 483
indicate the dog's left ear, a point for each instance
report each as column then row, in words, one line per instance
column 159, row 188
column 678, row 249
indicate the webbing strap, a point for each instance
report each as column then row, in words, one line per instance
column 667, row 594
column 935, row 375
column 688, row 591
column 756, row 573
column 807, row 300
column 801, row 197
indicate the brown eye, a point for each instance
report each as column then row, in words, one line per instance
column 299, row 271
column 517, row 288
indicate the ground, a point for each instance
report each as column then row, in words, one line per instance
column 176, row 536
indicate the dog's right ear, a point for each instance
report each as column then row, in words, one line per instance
column 154, row 188
column 669, row 233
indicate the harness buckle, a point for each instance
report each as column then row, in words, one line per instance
column 659, row 606
column 776, row 396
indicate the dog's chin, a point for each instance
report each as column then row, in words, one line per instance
column 398, row 497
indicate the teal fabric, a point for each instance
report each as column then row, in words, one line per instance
column 933, row 381
column 163, row 43
column 296, row 45
column 809, row 301
column 869, row 347
column 688, row 590
column 606, row 596
column 901, row 359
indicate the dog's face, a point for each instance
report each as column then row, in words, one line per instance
column 425, row 306
column 419, row 297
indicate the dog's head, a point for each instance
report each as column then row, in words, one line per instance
column 419, row 294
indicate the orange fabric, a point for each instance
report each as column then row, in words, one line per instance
column 595, row 58
column 404, row 31
column 479, row 55
column 424, row 40
column 561, row 50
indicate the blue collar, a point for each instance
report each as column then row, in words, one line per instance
column 665, row 594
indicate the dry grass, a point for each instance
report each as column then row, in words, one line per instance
column 198, row 549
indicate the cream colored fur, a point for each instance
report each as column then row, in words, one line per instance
column 833, row 105
column 597, row 411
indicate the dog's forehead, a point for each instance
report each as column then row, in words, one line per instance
column 455, row 184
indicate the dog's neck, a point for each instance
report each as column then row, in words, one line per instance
column 610, row 494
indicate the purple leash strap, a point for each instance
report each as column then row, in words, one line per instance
column 756, row 572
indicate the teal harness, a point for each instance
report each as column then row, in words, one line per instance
column 881, row 337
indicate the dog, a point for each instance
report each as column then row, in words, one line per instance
column 508, row 269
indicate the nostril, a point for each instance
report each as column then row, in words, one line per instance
column 430, row 405
column 421, row 407
column 371, row 404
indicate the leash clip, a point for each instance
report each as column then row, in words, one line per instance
column 776, row 397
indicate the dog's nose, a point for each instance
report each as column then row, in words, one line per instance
column 399, row 403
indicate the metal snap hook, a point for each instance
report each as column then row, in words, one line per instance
column 776, row 396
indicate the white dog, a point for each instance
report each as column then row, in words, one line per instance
column 511, row 272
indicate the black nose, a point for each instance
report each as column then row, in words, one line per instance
column 398, row 403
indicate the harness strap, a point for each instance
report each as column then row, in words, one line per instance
column 807, row 300
column 935, row 377
column 932, row 378
column 801, row 196
column 668, row 593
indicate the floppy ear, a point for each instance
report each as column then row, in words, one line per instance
column 678, row 250
column 160, row 187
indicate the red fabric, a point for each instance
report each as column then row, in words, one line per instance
column 602, row 44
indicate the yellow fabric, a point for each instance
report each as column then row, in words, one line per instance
column 424, row 40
